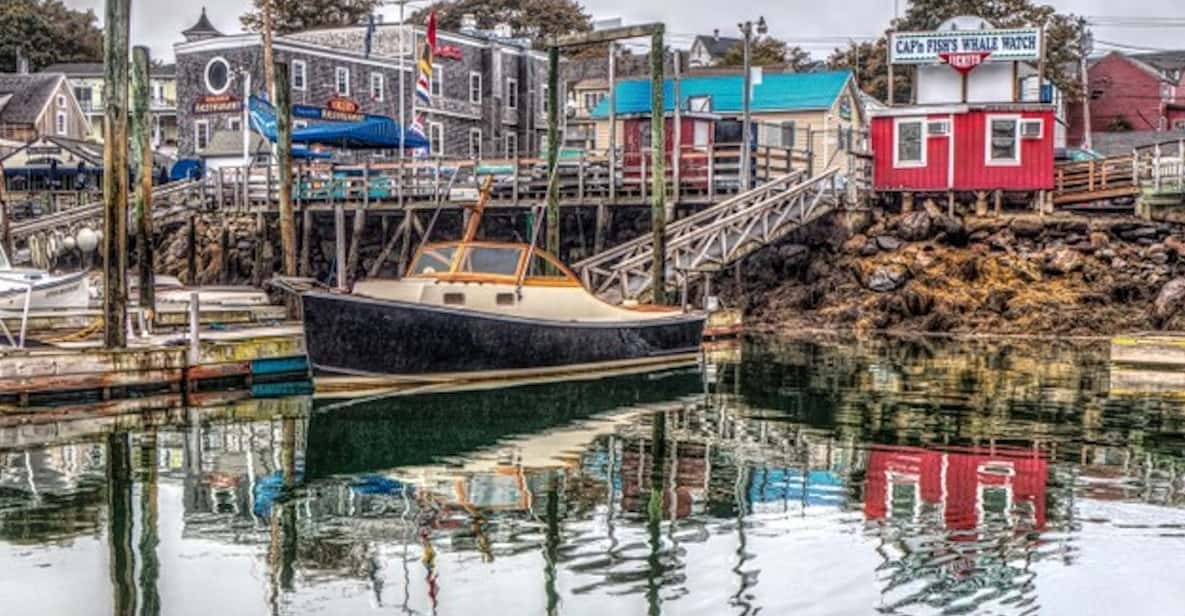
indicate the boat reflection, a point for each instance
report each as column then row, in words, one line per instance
column 903, row 479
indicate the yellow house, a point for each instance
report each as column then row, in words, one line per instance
column 819, row 114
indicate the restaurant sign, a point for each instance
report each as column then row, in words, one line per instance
column 965, row 49
column 338, row 109
column 221, row 103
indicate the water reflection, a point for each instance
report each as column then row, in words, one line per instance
column 882, row 476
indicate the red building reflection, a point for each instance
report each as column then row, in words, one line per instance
column 967, row 485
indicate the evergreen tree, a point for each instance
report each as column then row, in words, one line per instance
column 296, row 15
column 46, row 32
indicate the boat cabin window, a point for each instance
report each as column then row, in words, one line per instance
column 496, row 260
column 540, row 267
column 435, row 260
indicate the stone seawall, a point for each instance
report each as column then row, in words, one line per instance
column 929, row 272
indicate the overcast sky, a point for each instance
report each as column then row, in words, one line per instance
column 816, row 25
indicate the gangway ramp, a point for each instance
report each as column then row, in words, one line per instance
column 713, row 238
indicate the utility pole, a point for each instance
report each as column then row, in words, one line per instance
column 117, row 22
column 142, row 148
column 658, row 207
column 269, row 62
column 747, row 96
column 1085, row 42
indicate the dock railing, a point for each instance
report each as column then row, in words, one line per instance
column 1093, row 180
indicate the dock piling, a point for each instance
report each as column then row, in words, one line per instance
column 141, row 131
column 117, row 23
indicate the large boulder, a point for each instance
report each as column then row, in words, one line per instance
column 855, row 244
column 1027, row 227
column 1169, row 302
column 888, row 243
column 1063, row 261
column 915, row 226
column 886, row 278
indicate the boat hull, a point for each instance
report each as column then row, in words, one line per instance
column 362, row 336
column 49, row 292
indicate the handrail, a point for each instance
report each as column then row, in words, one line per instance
column 24, row 313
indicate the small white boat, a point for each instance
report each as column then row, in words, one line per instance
column 42, row 290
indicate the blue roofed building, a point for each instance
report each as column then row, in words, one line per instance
column 817, row 112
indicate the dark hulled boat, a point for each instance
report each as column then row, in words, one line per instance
column 485, row 307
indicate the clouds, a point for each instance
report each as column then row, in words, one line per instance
column 816, row 25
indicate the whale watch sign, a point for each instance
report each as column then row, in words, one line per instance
column 964, row 50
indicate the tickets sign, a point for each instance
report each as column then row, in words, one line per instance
column 1012, row 45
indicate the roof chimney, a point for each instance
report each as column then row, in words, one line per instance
column 716, row 34
column 22, row 63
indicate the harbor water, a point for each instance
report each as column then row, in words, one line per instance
column 821, row 477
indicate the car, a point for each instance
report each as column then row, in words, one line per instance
column 1075, row 155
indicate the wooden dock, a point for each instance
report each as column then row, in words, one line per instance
column 263, row 360
column 1149, row 363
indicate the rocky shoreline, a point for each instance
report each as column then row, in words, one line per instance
column 925, row 271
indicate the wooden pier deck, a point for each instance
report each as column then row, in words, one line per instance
column 78, row 372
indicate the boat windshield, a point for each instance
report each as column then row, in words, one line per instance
column 494, row 260
column 434, row 260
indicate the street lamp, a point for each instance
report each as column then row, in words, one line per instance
column 747, row 29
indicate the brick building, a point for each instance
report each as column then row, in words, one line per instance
column 489, row 90
column 1138, row 92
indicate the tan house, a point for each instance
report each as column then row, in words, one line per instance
column 86, row 79
column 583, row 98
column 817, row 113
column 39, row 104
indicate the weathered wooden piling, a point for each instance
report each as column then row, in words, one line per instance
column 284, row 160
column 658, row 207
column 553, row 150
column 115, row 177
column 142, row 147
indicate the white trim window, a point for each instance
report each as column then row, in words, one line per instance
column 511, row 145
column 1002, row 140
column 436, row 84
column 217, row 75
column 511, row 93
column 475, row 143
column 436, row 138
column 475, row 87
column 60, row 122
column 201, row 135
column 909, row 142
column 300, row 72
column 341, row 81
column 234, row 123
column 377, row 87
column 61, row 101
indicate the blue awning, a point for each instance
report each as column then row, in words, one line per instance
column 373, row 133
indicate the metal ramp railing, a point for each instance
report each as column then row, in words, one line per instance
column 713, row 238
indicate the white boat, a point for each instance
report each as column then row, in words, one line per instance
column 42, row 290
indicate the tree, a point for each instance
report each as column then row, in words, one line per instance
column 47, row 32
column 537, row 20
column 765, row 51
column 1063, row 33
column 296, row 15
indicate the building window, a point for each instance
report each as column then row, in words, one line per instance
column 699, row 104
column 511, row 145
column 909, row 148
column 436, row 84
column 512, row 94
column 158, row 92
column 475, row 143
column 592, row 99
column 702, row 136
column 201, row 135
column 84, row 94
column 235, row 123
column 60, row 123
column 475, row 88
column 1003, row 142
column 377, row 86
column 61, row 101
column 342, row 81
column 217, row 75
column 436, row 138
column 299, row 75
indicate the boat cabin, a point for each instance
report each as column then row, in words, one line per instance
column 492, row 262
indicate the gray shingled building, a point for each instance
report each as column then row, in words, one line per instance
column 488, row 89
